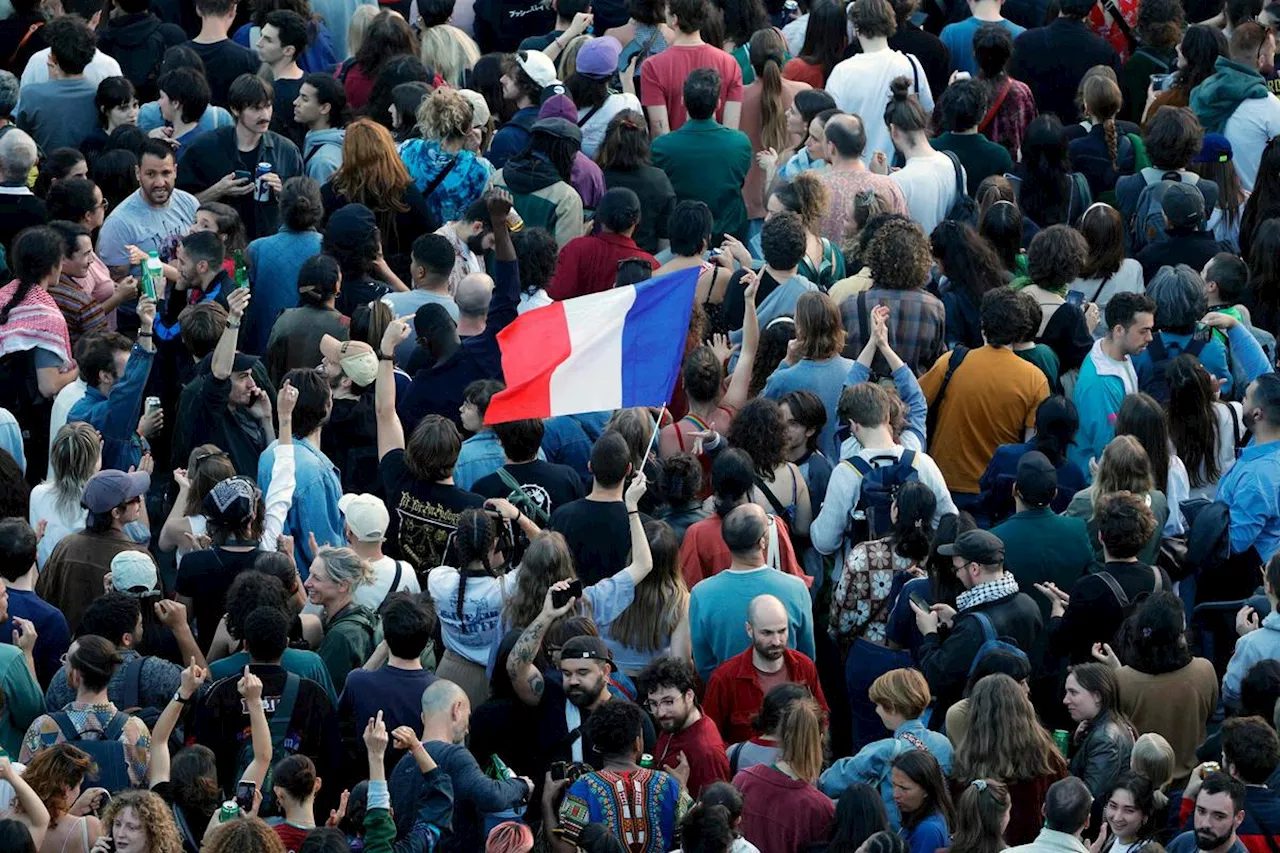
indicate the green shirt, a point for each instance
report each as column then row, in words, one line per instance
column 708, row 162
column 980, row 156
column 23, row 699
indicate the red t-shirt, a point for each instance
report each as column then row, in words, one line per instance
column 291, row 836
column 704, row 750
column 662, row 79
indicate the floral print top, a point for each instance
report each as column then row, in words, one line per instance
column 860, row 605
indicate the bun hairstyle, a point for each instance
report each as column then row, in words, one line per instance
column 95, row 659
column 904, row 110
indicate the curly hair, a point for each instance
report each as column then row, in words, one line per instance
column 242, row 835
column 756, row 429
column 772, row 349
column 1154, row 637
column 250, row 590
column 899, row 255
column 157, row 819
column 538, row 254
column 1160, row 23
column 808, row 196
column 1012, row 746
column 445, row 115
column 53, row 771
column 1055, row 257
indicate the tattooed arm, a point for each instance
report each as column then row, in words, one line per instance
column 526, row 679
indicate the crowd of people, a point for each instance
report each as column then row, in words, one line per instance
column 958, row 529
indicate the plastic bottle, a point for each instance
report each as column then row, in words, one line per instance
column 152, row 275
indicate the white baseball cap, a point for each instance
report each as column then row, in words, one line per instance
column 134, row 572
column 367, row 516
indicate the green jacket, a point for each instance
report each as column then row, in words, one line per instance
column 349, row 640
column 1041, row 546
column 708, row 162
column 541, row 198
column 1214, row 100
column 23, row 701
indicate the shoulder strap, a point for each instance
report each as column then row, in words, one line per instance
column 1156, row 349
column 586, row 117
column 1196, row 345
column 735, row 752
column 23, row 43
column 435, row 182
column 778, row 508
column 1159, row 583
column 1116, row 589
column 68, row 728
column 133, row 683
column 279, row 722
column 1118, row 18
column 864, row 318
column 395, row 585
column 115, row 728
column 539, row 514
column 995, row 106
column 957, row 358
column 984, row 622
column 955, row 165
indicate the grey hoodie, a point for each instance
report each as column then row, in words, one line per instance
column 322, row 153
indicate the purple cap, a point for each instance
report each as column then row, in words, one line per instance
column 559, row 106
column 599, row 57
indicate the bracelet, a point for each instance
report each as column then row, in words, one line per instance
column 384, row 357
column 633, row 512
column 144, row 334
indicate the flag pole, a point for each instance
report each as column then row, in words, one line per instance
column 656, row 427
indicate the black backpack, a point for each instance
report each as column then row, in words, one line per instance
column 1128, row 605
column 1156, row 382
column 132, row 702
column 882, row 477
column 282, row 746
column 963, row 208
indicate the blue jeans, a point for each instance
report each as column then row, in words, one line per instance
column 868, row 661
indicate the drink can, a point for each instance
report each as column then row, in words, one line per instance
column 229, row 811
column 1062, row 739
column 261, row 192
column 153, row 403
column 647, row 762
column 514, row 221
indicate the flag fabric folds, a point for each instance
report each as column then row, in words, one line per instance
column 609, row 350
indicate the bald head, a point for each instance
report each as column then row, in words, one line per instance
column 743, row 531
column 473, row 295
column 846, row 137
column 18, row 154
column 767, row 626
column 446, row 712
column 766, row 608
column 440, row 697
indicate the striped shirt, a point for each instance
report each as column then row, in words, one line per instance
column 83, row 313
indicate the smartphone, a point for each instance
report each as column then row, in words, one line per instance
column 244, row 795
column 242, row 175
column 1075, row 297
column 559, row 769
column 919, row 601
column 560, row 597
column 101, row 802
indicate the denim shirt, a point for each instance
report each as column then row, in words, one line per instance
column 871, row 764
column 1251, row 492
column 116, row 416
column 480, row 456
column 315, row 499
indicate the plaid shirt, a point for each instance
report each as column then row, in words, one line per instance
column 917, row 322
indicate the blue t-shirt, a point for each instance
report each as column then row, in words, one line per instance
column 53, row 636
column 958, row 38
column 930, row 835
column 1186, row 843
column 150, row 117
column 151, row 229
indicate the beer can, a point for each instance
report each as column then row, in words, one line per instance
column 1063, row 740
column 229, row 811
column 261, row 192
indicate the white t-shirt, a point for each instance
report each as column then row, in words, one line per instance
column 1253, row 124
column 472, row 634
column 1127, row 279
column 44, row 507
column 99, row 68
column 62, row 405
column 928, row 183
column 371, row 595
column 593, row 129
column 860, row 84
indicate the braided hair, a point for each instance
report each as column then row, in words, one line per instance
column 1102, row 100
column 472, row 542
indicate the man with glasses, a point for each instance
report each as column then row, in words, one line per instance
column 688, row 737
column 991, row 613
column 73, row 576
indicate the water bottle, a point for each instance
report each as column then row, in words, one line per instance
column 152, row 275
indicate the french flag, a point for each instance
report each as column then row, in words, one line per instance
column 609, row 350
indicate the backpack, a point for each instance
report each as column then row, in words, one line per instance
column 1155, row 382
column 991, row 642
column 1128, row 605
column 880, row 484
column 282, row 746
column 104, row 747
column 963, row 208
column 141, row 65
column 133, row 704
column 1147, row 225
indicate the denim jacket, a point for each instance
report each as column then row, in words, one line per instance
column 316, row 492
column 480, row 456
column 872, row 764
column 116, row 416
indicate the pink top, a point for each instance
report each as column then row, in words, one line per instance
column 98, row 286
column 752, row 121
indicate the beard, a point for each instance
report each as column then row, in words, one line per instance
column 476, row 245
column 1206, row 840
column 584, row 696
column 770, row 652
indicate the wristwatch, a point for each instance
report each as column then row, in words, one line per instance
column 177, row 697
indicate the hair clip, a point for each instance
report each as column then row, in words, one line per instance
column 980, row 784
column 1146, row 633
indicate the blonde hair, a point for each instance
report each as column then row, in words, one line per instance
column 445, row 115
column 567, row 64
column 360, row 20
column 902, row 691
column 800, row 738
column 1153, row 759
column 346, row 566
column 449, row 52
column 1124, row 467
column 74, row 455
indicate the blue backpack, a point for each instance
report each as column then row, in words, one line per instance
column 104, row 747
column 991, row 642
column 882, row 477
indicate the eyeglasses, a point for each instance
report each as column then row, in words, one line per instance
column 104, row 205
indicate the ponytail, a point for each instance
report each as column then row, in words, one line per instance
column 800, row 738
column 766, row 50
column 1109, row 131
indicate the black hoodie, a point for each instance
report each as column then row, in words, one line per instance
column 138, row 43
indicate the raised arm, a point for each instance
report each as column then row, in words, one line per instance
column 525, row 677
column 735, row 396
column 224, row 354
column 641, row 557
column 158, row 761
column 250, row 688
column 279, row 495
column 33, row 808
column 173, row 615
column 390, row 430
column 177, row 523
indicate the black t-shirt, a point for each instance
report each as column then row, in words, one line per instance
column 221, row 722
column 657, row 198
column 422, row 514
column 13, row 31
column 550, row 485
column 357, row 292
column 599, row 536
column 205, row 576
column 224, row 61
column 554, row 735
column 350, row 440
column 286, row 92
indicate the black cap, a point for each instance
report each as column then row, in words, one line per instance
column 977, row 546
column 1037, row 479
column 585, row 647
